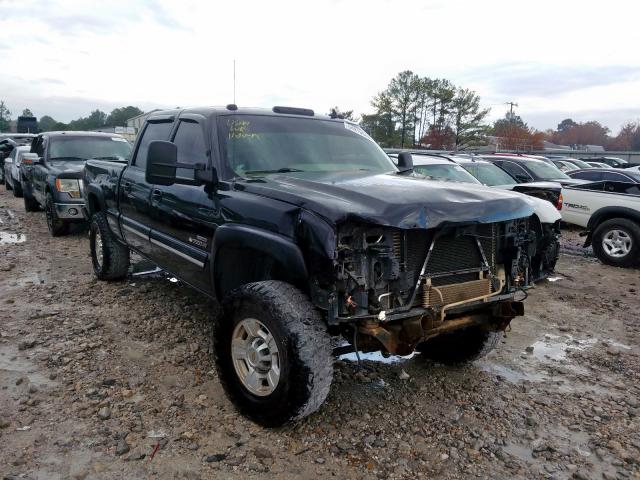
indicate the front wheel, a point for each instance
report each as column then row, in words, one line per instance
column 617, row 242
column 110, row 258
column 461, row 346
column 57, row 227
column 273, row 353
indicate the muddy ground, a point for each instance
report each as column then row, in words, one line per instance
column 115, row 380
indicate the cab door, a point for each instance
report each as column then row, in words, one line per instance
column 134, row 193
column 186, row 216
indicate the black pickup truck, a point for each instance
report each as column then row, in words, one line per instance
column 305, row 230
column 53, row 180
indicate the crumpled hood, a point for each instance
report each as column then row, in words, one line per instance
column 66, row 169
column 390, row 199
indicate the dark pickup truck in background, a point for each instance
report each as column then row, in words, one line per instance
column 53, row 180
column 305, row 230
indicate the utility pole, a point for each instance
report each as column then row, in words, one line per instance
column 511, row 105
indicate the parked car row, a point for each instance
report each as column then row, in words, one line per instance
column 48, row 173
column 8, row 142
column 545, row 198
column 310, row 237
column 593, row 198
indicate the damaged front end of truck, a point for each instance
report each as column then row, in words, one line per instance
column 395, row 288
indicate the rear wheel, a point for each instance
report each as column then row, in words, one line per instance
column 57, row 227
column 617, row 242
column 17, row 188
column 273, row 353
column 110, row 258
column 30, row 203
column 461, row 346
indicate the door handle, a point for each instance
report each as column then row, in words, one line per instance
column 156, row 194
column 126, row 186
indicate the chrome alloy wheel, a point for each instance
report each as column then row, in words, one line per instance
column 255, row 356
column 616, row 243
column 99, row 249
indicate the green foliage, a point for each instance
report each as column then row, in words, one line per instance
column 467, row 118
column 566, row 124
column 119, row 116
column 414, row 110
column 399, row 101
column 27, row 113
column 382, row 128
column 347, row 114
column 5, row 117
column 46, row 123
column 96, row 119
column 509, row 120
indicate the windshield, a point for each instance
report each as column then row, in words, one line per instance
column 260, row 145
column 445, row 172
column 580, row 163
column 489, row 174
column 83, row 148
column 543, row 170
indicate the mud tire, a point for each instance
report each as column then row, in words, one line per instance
column 460, row 347
column 304, row 347
column 57, row 227
column 114, row 263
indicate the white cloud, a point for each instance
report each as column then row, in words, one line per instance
column 558, row 57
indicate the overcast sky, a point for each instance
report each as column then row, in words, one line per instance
column 556, row 59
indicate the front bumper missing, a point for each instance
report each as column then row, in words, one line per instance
column 71, row 211
column 401, row 337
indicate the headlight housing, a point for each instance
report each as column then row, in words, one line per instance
column 68, row 185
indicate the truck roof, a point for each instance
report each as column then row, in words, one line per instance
column 78, row 133
column 234, row 109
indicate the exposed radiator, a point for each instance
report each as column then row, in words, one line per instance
column 434, row 297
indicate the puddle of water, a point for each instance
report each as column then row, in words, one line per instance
column 7, row 238
column 613, row 343
column 19, row 366
column 556, row 348
column 32, row 279
column 518, row 451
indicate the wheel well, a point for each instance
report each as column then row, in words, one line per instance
column 94, row 204
column 600, row 219
column 235, row 267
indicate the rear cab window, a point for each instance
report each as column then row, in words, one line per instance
column 191, row 146
column 152, row 131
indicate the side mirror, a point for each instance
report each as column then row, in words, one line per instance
column 405, row 162
column 162, row 163
column 522, row 178
column 162, row 160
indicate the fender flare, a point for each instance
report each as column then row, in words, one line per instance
column 93, row 190
column 282, row 249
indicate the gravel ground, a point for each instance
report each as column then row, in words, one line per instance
column 115, row 380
